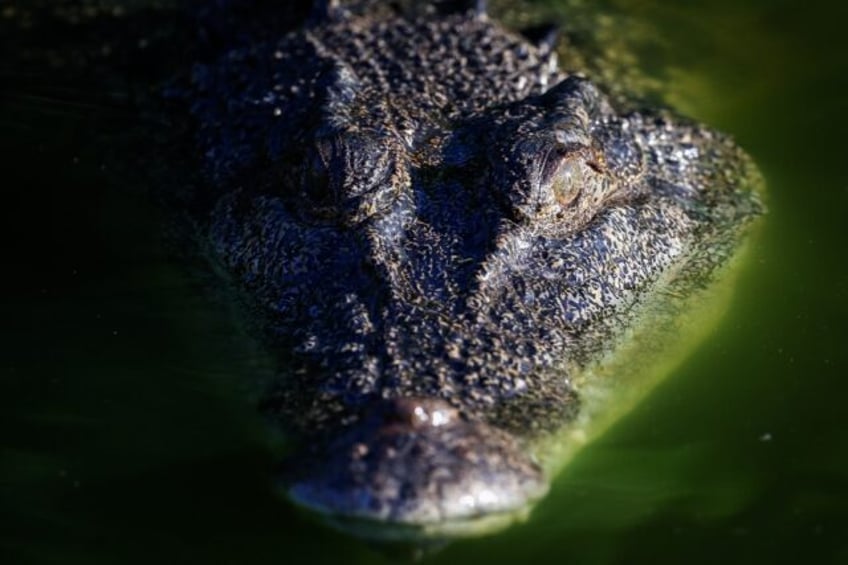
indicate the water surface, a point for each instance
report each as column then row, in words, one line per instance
column 126, row 436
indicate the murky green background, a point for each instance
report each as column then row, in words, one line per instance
column 125, row 436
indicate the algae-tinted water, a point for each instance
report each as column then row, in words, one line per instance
column 126, row 438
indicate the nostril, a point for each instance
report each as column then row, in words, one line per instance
column 419, row 412
column 417, row 467
column 359, row 451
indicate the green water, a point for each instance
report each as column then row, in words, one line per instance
column 126, row 438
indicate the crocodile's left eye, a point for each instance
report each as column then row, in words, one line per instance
column 572, row 173
column 567, row 182
column 552, row 184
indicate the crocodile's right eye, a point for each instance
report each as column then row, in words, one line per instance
column 349, row 177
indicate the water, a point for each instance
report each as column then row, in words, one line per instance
column 126, row 438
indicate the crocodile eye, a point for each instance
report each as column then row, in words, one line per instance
column 576, row 172
column 573, row 176
column 567, row 181
column 347, row 177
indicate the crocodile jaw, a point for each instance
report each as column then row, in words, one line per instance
column 414, row 469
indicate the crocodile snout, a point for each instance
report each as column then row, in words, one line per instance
column 416, row 467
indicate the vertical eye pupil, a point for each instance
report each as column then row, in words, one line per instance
column 316, row 181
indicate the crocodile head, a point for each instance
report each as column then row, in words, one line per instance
column 437, row 230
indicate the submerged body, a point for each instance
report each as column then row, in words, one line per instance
column 439, row 231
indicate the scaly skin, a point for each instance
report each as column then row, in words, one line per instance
column 438, row 229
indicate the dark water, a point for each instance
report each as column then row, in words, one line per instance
column 126, row 438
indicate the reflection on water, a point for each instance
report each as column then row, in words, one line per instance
column 127, row 437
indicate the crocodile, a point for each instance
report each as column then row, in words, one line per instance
column 439, row 233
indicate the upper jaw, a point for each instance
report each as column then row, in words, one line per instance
column 415, row 469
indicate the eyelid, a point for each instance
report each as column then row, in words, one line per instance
column 559, row 154
column 552, row 162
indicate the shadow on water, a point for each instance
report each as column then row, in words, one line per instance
column 126, row 435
